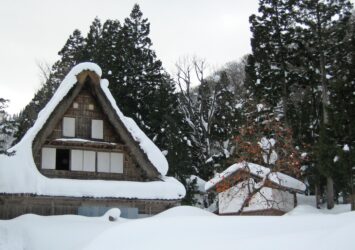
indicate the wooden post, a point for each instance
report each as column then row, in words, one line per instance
column 294, row 200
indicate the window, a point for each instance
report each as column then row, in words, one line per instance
column 110, row 162
column 91, row 106
column 97, row 129
column 75, row 105
column 68, row 126
column 116, row 163
column 48, row 158
column 76, row 163
column 62, row 161
column 83, row 160
column 103, row 162
column 89, row 161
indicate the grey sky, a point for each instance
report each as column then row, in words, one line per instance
column 34, row 30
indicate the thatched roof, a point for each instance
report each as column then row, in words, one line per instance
column 19, row 173
column 124, row 127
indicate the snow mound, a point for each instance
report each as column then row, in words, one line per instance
column 112, row 215
column 231, row 232
column 306, row 232
column 304, row 210
column 338, row 209
column 184, row 211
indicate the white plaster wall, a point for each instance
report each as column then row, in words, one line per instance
column 231, row 200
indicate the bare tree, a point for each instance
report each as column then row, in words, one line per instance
column 44, row 71
column 207, row 99
column 265, row 141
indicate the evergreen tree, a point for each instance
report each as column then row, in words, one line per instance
column 296, row 49
column 269, row 69
column 342, row 108
column 6, row 128
column 146, row 92
column 138, row 82
column 323, row 39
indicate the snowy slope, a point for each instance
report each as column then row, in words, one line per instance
column 182, row 228
column 19, row 174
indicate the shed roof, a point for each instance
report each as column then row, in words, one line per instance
column 276, row 178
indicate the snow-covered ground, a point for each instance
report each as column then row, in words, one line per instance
column 184, row 228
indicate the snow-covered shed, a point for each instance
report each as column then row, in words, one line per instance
column 83, row 156
column 248, row 188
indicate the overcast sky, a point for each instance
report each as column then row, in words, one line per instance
column 35, row 30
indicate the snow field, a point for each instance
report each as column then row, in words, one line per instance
column 182, row 228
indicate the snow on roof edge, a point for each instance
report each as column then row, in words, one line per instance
column 200, row 183
column 64, row 87
column 277, row 178
column 153, row 153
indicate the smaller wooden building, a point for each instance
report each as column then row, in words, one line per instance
column 83, row 156
column 235, row 188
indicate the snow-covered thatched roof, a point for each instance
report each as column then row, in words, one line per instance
column 255, row 170
column 19, row 174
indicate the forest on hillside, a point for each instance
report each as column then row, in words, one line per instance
column 288, row 105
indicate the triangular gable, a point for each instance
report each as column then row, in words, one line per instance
column 147, row 155
column 19, row 175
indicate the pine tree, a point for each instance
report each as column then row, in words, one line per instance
column 146, row 92
column 269, row 69
column 138, row 82
column 342, row 108
column 323, row 39
column 6, row 128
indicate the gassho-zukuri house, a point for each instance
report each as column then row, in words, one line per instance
column 235, row 184
column 83, row 156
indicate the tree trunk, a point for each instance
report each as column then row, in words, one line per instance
column 294, row 200
column 352, row 199
column 325, row 102
column 317, row 191
column 330, row 192
column 352, row 194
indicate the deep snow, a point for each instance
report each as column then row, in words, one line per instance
column 183, row 228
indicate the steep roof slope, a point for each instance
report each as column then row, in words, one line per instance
column 19, row 174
